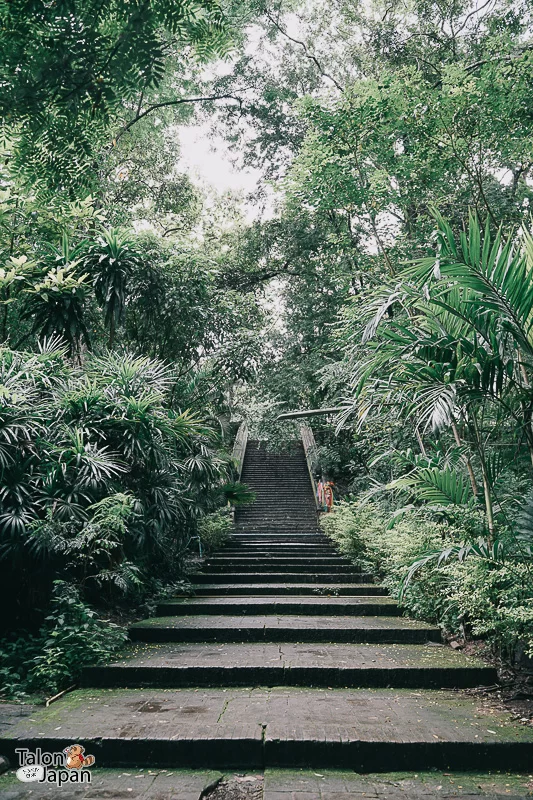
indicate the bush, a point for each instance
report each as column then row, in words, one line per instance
column 496, row 602
column 101, row 477
column 477, row 597
column 361, row 531
column 214, row 529
column 72, row 637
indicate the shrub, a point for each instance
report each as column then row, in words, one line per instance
column 362, row 533
column 477, row 597
column 214, row 529
column 72, row 637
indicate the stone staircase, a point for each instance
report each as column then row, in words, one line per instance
column 285, row 655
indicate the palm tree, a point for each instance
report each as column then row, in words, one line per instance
column 457, row 351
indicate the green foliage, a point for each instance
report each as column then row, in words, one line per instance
column 214, row 529
column 73, row 636
column 100, row 477
column 17, row 654
column 236, row 493
column 363, row 533
column 455, row 355
column 110, row 262
column 57, row 307
column 68, row 71
column 76, row 637
column 466, row 589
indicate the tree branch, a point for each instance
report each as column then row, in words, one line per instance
column 308, row 55
column 181, row 101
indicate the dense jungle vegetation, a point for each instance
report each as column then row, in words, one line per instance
column 383, row 266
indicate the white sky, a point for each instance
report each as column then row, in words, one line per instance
column 213, row 166
column 208, row 162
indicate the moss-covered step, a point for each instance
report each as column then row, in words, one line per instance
column 115, row 784
column 268, row 562
column 313, row 606
column 307, row 589
column 256, row 567
column 343, row 665
column 302, row 784
column 287, row 628
column 360, row 729
column 348, row 576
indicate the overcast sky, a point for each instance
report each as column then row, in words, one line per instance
column 208, row 162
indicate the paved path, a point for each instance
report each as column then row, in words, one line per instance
column 286, row 656
column 150, row 784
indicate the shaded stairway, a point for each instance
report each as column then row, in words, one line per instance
column 285, row 655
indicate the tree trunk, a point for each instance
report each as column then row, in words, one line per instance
column 469, row 467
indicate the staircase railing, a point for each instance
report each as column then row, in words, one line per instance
column 239, row 447
column 311, row 457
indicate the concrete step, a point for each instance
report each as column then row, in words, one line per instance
column 281, row 550
column 278, row 565
column 296, row 589
column 280, row 501
column 361, row 729
column 340, row 665
column 270, row 510
column 311, row 535
column 273, row 561
column 311, row 606
column 280, row 533
column 327, row 555
column 246, row 553
column 285, row 628
column 281, row 577
column 257, row 541
column 257, row 544
column 290, row 521
column 269, row 537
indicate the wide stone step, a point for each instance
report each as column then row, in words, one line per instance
column 312, row 533
column 342, row 665
column 270, row 537
column 291, row 527
column 282, row 547
column 246, row 553
column 258, row 544
column 292, row 512
column 286, row 516
column 293, row 494
column 296, row 503
column 281, row 483
column 332, row 606
column 279, row 532
column 283, row 522
column 281, row 577
column 286, row 628
column 361, row 729
column 297, row 589
column 258, row 551
column 279, row 565
column 271, row 561
column 282, row 486
column 273, row 538
column 290, row 565
column 289, row 501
